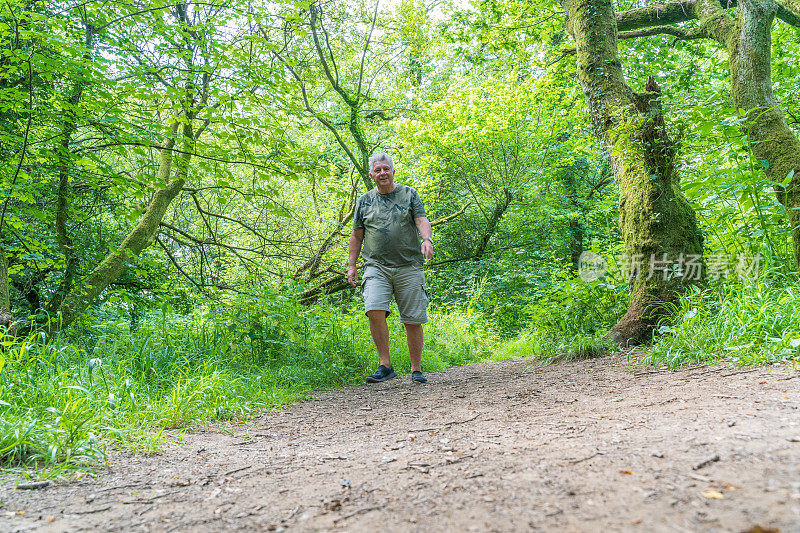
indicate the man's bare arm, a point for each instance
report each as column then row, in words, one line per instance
column 424, row 228
column 353, row 249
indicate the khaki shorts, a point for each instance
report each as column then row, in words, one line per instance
column 407, row 283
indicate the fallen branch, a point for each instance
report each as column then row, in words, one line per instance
column 34, row 485
column 702, row 464
column 595, row 454
column 741, row 372
column 228, row 473
column 90, row 511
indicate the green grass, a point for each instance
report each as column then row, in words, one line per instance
column 66, row 403
column 746, row 323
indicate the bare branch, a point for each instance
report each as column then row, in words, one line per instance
column 178, row 267
column 448, row 218
column 366, row 47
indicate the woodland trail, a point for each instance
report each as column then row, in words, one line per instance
column 502, row 446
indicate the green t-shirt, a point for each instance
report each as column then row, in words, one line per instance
column 390, row 234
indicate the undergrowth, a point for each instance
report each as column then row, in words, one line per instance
column 570, row 322
column 746, row 323
column 64, row 403
column 67, row 401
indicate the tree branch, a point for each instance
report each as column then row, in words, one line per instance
column 366, row 47
column 324, row 121
column 448, row 218
column 325, row 67
column 178, row 267
column 679, row 33
column 657, row 15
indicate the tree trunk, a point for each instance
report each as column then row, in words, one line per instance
column 748, row 41
column 140, row 237
column 657, row 223
column 5, row 294
column 575, row 242
column 68, row 129
column 491, row 225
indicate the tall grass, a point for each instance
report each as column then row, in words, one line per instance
column 65, row 402
column 747, row 322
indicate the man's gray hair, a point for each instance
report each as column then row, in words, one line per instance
column 380, row 157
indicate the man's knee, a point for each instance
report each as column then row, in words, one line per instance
column 377, row 314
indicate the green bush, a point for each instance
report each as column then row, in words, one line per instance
column 570, row 321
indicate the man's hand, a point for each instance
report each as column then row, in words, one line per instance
column 352, row 275
column 424, row 228
column 427, row 250
column 353, row 249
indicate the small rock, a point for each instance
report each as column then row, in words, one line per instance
column 657, row 453
column 388, row 459
column 731, row 423
column 795, row 438
column 346, row 484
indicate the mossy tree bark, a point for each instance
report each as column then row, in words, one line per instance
column 657, row 223
column 747, row 37
column 5, row 296
column 143, row 234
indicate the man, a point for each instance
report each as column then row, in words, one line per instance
column 386, row 222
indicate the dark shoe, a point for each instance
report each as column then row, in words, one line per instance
column 382, row 374
column 418, row 377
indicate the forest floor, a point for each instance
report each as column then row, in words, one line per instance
column 502, row 446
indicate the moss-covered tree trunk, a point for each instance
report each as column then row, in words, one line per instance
column 142, row 235
column 747, row 37
column 658, row 225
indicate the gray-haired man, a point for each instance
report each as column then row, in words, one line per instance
column 387, row 220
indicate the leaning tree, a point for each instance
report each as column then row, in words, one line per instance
column 744, row 30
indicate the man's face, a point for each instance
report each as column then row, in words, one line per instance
column 382, row 174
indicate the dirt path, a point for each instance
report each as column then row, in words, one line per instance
column 506, row 446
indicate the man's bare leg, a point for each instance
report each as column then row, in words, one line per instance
column 380, row 335
column 414, row 338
